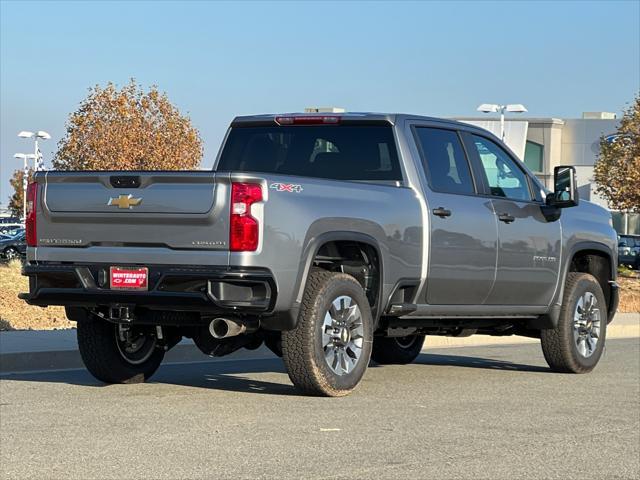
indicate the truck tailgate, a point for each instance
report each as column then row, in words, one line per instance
column 170, row 210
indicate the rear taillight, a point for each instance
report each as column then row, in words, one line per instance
column 244, row 229
column 30, row 220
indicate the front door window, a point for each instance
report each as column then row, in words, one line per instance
column 504, row 177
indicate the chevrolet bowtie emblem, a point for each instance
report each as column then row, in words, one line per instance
column 124, row 201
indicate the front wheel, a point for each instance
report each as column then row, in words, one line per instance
column 118, row 353
column 397, row 350
column 11, row 253
column 328, row 352
column 577, row 342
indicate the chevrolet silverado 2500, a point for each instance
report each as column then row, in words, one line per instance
column 332, row 239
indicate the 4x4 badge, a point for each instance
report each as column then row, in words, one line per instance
column 286, row 187
column 124, row 201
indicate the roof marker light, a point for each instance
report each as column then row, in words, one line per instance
column 308, row 120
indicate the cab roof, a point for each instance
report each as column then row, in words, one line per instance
column 346, row 117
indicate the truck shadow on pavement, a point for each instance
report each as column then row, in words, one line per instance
column 236, row 376
column 476, row 362
column 214, row 375
column 229, row 376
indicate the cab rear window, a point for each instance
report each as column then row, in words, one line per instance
column 342, row 152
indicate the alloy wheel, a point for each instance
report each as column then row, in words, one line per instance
column 343, row 335
column 134, row 345
column 11, row 253
column 406, row 342
column 586, row 324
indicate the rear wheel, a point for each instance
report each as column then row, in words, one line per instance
column 577, row 342
column 397, row 350
column 329, row 350
column 118, row 353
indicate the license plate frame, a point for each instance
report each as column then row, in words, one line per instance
column 129, row 278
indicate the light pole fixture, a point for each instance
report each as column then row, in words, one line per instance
column 25, row 179
column 40, row 134
column 495, row 108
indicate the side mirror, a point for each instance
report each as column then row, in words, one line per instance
column 565, row 191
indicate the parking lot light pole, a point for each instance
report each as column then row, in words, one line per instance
column 40, row 134
column 25, row 179
column 495, row 108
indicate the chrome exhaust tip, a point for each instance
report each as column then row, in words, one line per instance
column 225, row 328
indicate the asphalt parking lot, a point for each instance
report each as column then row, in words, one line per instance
column 473, row 412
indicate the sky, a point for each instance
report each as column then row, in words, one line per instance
column 216, row 60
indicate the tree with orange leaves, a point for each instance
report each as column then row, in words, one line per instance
column 15, row 201
column 128, row 129
column 617, row 170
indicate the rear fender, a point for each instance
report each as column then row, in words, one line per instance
column 288, row 320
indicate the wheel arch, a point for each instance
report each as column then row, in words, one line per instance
column 315, row 246
column 596, row 259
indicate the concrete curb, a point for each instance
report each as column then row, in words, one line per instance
column 56, row 350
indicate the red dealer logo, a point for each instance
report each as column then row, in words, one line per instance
column 129, row 278
column 286, row 187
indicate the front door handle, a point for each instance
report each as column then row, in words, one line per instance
column 441, row 212
column 506, row 218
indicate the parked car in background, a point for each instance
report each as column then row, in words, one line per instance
column 14, row 246
column 9, row 220
column 10, row 230
column 629, row 250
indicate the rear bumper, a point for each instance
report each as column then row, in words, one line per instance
column 189, row 288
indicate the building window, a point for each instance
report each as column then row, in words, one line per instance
column 533, row 155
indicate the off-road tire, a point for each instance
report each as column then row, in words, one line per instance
column 302, row 350
column 396, row 350
column 101, row 356
column 558, row 344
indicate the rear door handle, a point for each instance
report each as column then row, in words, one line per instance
column 441, row 212
column 506, row 218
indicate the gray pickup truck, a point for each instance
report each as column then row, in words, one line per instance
column 332, row 239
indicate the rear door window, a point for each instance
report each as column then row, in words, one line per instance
column 444, row 161
column 344, row 152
